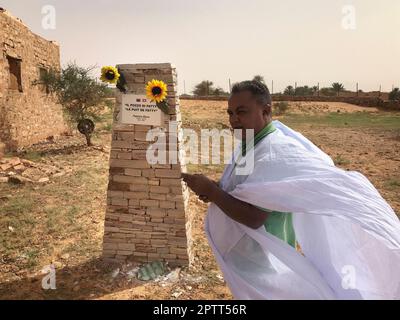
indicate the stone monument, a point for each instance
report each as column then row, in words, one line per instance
column 147, row 218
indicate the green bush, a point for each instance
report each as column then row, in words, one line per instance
column 394, row 95
column 280, row 107
column 80, row 95
column 329, row 92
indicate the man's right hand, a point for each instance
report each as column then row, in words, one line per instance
column 205, row 198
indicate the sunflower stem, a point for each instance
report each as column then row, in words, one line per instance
column 163, row 106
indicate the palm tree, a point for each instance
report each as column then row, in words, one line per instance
column 337, row 87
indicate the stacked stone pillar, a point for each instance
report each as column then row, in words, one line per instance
column 147, row 218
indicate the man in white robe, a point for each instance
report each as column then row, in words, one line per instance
column 348, row 234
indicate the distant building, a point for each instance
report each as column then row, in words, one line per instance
column 28, row 114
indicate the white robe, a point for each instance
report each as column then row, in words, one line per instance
column 349, row 235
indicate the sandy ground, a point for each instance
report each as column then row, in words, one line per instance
column 320, row 107
column 74, row 245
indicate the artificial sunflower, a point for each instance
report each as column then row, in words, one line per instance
column 156, row 90
column 109, row 74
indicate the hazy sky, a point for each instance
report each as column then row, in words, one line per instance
column 286, row 41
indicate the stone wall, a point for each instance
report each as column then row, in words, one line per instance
column 147, row 217
column 27, row 113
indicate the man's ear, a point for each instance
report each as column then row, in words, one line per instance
column 267, row 110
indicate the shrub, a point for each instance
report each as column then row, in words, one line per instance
column 80, row 95
column 394, row 95
column 280, row 107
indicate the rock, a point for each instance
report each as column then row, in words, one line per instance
column 28, row 163
column 43, row 180
column 17, row 179
column 177, row 293
column 48, row 170
column 58, row 174
column 11, row 228
column 19, row 167
column 220, row 277
column 5, row 166
column 173, row 276
column 3, row 179
column 76, row 288
column 33, row 173
column 132, row 273
column 14, row 161
column 192, row 279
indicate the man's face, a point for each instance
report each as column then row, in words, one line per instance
column 245, row 113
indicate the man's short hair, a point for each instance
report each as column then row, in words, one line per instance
column 257, row 88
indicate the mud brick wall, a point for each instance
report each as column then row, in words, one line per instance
column 29, row 116
column 147, row 218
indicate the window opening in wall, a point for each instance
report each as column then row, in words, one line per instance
column 15, row 73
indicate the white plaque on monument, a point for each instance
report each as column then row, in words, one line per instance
column 138, row 109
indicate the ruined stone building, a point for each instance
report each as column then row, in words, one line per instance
column 28, row 114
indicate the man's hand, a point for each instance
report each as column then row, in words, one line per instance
column 238, row 210
column 205, row 188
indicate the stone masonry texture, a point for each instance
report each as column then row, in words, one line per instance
column 147, row 218
column 27, row 113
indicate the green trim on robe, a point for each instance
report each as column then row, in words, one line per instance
column 269, row 128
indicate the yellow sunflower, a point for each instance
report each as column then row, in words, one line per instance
column 156, row 90
column 109, row 74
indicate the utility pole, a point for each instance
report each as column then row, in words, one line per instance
column 230, row 86
column 318, row 89
column 357, row 89
column 295, row 87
